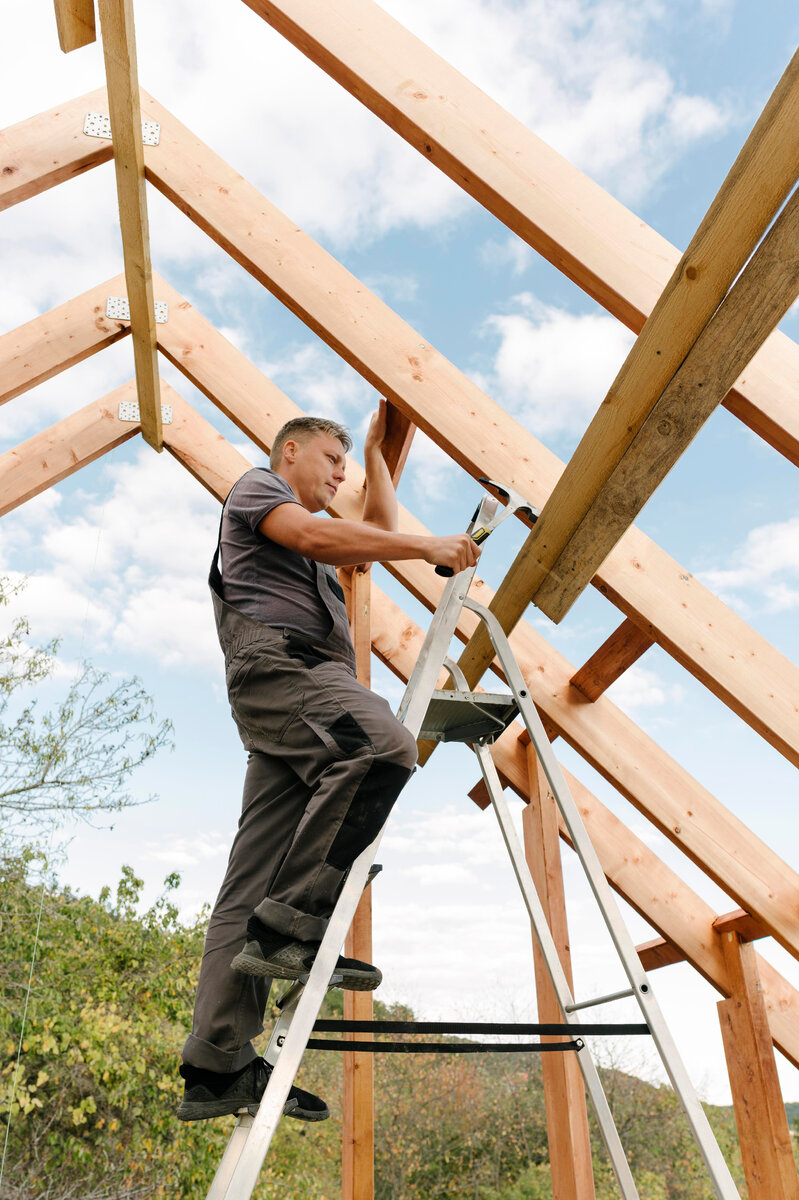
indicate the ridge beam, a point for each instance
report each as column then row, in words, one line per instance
column 119, row 52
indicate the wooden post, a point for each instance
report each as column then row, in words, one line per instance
column 759, row 1108
column 358, row 1125
column 564, row 1092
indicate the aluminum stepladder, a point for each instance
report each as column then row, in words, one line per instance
column 459, row 714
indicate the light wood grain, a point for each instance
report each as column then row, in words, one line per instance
column 43, row 347
column 706, row 637
column 119, row 54
column 75, row 23
column 564, row 1090
column 760, row 1115
column 615, row 656
column 50, row 456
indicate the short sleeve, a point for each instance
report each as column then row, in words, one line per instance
column 256, row 494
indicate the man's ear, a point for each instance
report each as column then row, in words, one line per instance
column 290, row 450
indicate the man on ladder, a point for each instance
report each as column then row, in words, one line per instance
column 327, row 757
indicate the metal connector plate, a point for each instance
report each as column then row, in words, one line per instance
column 118, row 309
column 129, row 411
column 99, row 125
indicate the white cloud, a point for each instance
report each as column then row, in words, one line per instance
column 641, row 688
column 765, row 570
column 321, row 383
column 430, row 469
column 184, row 853
column 511, row 252
column 553, row 368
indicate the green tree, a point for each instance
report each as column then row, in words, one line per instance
column 73, row 760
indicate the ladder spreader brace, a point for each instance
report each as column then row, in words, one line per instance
column 459, row 714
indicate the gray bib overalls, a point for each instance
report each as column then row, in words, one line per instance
column 327, row 760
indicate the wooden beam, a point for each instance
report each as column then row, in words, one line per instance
column 587, row 234
column 615, row 656
column 50, row 456
column 565, row 552
column 75, row 23
column 739, row 922
column 50, row 148
column 399, row 436
column 688, row 621
column 358, row 1099
column 660, row 953
column 119, row 53
column 564, row 1090
column 58, row 339
column 677, row 804
column 763, row 1133
column 652, row 888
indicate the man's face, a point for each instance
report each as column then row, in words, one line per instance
column 314, row 468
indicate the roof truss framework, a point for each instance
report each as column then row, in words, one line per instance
column 608, row 252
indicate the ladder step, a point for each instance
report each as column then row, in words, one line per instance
column 455, row 716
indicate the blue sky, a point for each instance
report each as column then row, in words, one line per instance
column 653, row 100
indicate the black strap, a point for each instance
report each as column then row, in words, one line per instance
column 438, row 1027
column 445, row 1047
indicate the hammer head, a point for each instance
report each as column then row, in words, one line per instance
column 515, row 502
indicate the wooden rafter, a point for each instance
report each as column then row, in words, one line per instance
column 615, row 656
column 686, row 619
column 399, row 437
column 562, row 553
column 587, row 234
column 582, row 222
column 679, row 806
column 75, row 23
column 50, row 456
column 119, row 52
column 58, row 339
column 651, row 887
column 50, row 148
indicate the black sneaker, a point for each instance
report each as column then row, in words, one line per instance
column 266, row 953
column 213, row 1094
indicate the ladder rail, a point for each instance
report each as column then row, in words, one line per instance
column 670, row 1057
column 560, row 983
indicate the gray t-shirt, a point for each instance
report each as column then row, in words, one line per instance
column 263, row 579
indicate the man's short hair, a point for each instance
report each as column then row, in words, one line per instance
column 302, row 429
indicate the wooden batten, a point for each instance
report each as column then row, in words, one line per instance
column 615, row 656
column 50, row 456
column 58, row 339
column 694, row 626
column 75, row 23
column 652, row 888
column 119, row 52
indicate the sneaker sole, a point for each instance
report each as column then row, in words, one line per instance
column 205, row 1109
column 252, row 962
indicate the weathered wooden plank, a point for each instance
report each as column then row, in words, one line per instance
column 49, row 148
column 753, row 307
column 652, row 888
column 50, row 456
column 760, row 1116
column 587, row 234
column 119, row 53
column 615, row 656
column 694, row 626
column 75, row 23
column 58, row 339
column 564, row 1090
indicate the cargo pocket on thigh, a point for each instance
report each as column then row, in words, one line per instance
column 264, row 695
column 342, row 735
column 368, row 811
